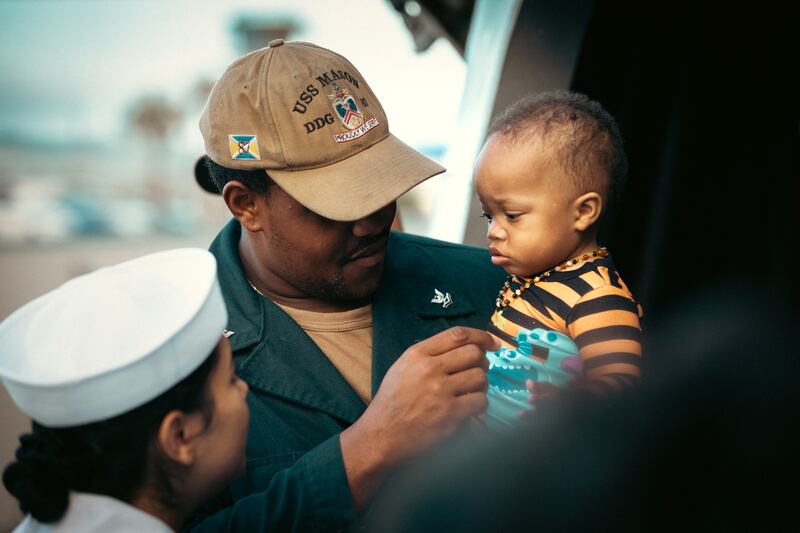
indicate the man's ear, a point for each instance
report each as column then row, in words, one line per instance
column 587, row 209
column 244, row 204
column 177, row 436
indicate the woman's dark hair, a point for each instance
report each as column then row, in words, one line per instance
column 112, row 457
column 256, row 180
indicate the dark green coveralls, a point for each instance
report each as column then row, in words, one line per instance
column 299, row 403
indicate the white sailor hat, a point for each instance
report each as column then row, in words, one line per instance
column 112, row 340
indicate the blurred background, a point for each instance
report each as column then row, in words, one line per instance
column 99, row 104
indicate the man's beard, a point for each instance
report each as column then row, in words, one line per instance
column 334, row 290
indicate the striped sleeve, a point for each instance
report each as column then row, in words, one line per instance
column 605, row 326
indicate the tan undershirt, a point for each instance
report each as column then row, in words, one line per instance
column 345, row 337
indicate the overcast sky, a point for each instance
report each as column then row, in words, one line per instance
column 70, row 68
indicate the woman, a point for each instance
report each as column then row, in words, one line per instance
column 138, row 416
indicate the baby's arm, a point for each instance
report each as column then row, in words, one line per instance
column 605, row 326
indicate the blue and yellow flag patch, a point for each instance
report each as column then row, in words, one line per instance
column 244, row 147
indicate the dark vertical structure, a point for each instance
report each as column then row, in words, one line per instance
column 707, row 100
column 544, row 47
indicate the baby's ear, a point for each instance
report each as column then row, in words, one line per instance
column 587, row 209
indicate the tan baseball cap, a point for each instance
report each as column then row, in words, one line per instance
column 306, row 116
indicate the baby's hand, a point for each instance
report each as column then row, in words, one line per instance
column 540, row 390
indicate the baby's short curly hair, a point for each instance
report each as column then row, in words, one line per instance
column 585, row 136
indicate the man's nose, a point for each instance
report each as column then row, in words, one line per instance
column 375, row 223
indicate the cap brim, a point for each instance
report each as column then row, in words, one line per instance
column 361, row 184
column 203, row 176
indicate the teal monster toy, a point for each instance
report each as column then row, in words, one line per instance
column 542, row 356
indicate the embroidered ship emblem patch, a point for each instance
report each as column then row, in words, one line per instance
column 350, row 115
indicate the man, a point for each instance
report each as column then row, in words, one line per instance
column 338, row 327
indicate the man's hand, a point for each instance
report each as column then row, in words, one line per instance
column 434, row 386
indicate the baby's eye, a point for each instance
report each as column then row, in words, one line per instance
column 487, row 216
column 512, row 216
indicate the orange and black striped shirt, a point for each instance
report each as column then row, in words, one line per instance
column 594, row 307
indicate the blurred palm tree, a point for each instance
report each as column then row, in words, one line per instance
column 153, row 118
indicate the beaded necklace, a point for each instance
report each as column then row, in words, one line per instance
column 502, row 302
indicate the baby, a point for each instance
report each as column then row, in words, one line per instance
column 545, row 176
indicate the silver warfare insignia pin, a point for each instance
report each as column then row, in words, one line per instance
column 442, row 298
